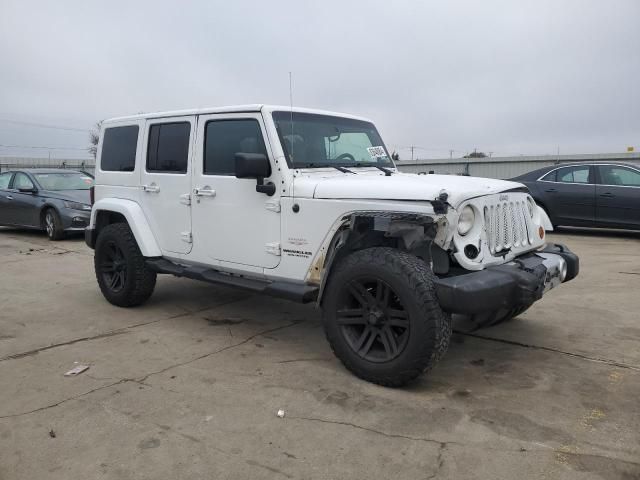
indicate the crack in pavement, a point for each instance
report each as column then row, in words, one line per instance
column 550, row 349
column 142, row 380
column 442, row 445
column 112, row 333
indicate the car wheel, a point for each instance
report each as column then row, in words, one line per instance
column 382, row 317
column 53, row 225
column 121, row 271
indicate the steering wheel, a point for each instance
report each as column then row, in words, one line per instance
column 346, row 156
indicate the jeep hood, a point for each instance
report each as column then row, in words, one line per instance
column 370, row 185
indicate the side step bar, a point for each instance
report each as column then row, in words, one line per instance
column 288, row 290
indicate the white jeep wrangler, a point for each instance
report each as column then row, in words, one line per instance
column 308, row 205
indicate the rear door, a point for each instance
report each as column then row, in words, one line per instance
column 6, row 197
column 618, row 196
column 166, row 181
column 569, row 193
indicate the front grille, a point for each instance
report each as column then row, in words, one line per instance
column 508, row 225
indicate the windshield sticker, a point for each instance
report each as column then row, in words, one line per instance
column 377, row 152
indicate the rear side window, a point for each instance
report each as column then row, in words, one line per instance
column 224, row 138
column 119, row 149
column 550, row 177
column 574, row 174
column 168, row 147
column 5, row 178
column 613, row 175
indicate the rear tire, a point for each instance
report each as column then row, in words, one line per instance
column 121, row 271
column 53, row 225
column 382, row 317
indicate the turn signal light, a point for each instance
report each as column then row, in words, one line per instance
column 541, row 232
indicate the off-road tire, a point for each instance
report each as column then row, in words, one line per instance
column 412, row 282
column 52, row 224
column 139, row 280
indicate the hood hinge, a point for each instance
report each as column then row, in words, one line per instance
column 273, row 205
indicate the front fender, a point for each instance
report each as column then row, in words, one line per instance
column 134, row 215
column 544, row 219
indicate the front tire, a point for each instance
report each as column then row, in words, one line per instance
column 53, row 225
column 121, row 271
column 382, row 317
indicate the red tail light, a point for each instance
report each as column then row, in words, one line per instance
column 92, row 195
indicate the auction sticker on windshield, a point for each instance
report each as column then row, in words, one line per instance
column 376, row 152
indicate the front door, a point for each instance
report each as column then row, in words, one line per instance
column 618, row 196
column 166, row 181
column 25, row 205
column 233, row 225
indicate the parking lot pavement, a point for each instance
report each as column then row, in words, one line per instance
column 188, row 385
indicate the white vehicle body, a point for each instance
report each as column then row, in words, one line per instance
column 172, row 215
column 307, row 205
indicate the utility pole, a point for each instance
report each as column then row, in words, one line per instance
column 412, row 147
column 450, row 154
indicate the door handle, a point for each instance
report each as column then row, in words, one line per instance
column 9, row 197
column 153, row 188
column 205, row 191
column 607, row 195
column 551, row 190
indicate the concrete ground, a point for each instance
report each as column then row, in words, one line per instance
column 188, row 385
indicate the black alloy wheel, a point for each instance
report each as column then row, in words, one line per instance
column 372, row 320
column 113, row 267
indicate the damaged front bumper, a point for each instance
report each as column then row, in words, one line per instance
column 518, row 283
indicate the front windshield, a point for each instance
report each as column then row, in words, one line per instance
column 312, row 141
column 64, row 181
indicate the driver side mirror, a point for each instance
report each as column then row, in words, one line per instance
column 255, row 165
column 28, row 190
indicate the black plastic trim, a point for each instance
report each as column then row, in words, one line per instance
column 503, row 286
column 288, row 290
column 90, row 237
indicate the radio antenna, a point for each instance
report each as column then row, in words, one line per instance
column 293, row 178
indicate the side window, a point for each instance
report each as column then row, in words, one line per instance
column 22, row 181
column 168, row 149
column 573, row 174
column 613, row 175
column 224, row 138
column 5, row 178
column 119, row 149
column 550, row 177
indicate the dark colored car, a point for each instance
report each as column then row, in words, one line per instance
column 603, row 195
column 50, row 199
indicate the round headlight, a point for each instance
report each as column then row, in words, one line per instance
column 466, row 220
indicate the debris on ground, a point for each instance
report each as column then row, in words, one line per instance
column 77, row 370
column 52, row 434
column 281, row 413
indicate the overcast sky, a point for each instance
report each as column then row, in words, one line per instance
column 509, row 77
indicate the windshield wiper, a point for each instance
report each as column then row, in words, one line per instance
column 342, row 169
column 387, row 172
column 327, row 165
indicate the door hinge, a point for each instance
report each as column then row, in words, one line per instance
column 273, row 205
column 273, row 248
column 186, row 237
column 185, row 199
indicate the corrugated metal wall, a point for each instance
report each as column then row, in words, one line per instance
column 506, row 167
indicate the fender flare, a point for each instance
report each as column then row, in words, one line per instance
column 136, row 219
column 544, row 219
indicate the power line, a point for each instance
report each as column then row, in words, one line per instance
column 43, row 125
column 43, row 147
